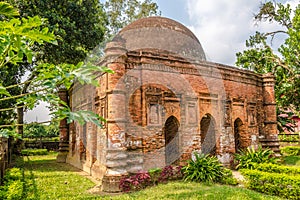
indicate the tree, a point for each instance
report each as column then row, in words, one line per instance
column 119, row 14
column 9, row 74
column 80, row 25
column 283, row 62
column 122, row 12
column 35, row 130
column 18, row 38
column 52, row 129
column 78, row 33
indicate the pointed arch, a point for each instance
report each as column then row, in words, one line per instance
column 171, row 135
column 238, row 130
column 208, row 134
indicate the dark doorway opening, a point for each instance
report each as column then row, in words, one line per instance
column 208, row 135
column 238, row 129
column 171, row 140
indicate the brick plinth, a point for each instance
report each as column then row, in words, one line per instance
column 110, row 183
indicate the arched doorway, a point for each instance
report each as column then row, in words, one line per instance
column 238, row 129
column 208, row 134
column 171, row 140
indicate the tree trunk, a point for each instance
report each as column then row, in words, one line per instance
column 20, row 121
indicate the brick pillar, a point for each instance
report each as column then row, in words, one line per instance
column 63, row 131
column 270, row 135
column 116, row 155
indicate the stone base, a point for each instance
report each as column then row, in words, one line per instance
column 271, row 143
column 110, row 183
column 61, row 157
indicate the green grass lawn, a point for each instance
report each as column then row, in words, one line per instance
column 62, row 181
column 183, row 190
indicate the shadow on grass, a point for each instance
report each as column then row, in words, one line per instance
column 48, row 165
column 29, row 185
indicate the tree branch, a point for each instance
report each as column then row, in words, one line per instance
column 21, row 95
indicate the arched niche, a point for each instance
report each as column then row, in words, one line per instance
column 171, row 134
column 238, row 131
column 208, row 134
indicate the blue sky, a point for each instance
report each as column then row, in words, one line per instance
column 175, row 9
column 222, row 26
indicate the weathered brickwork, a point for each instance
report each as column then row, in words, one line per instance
column 164, row 102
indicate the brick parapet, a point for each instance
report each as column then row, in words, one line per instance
column 166, row 62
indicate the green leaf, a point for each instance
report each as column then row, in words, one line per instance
column 8, row 10
column 3, row 91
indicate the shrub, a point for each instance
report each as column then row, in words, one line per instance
column 155, row 174
column 283, row 185
column 273, row 168
column 13, row 187
column 15, row 190
column 288, row 137
column 33, row 152
column 13, row 174
column 203, row 168
column 290, row 151
column 135, row 182
column 17, row 187
column 228, row 178
column 292, row 160
column 246, row 158
column 170, row 173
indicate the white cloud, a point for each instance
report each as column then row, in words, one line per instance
column 39, row 114
column 223, row 26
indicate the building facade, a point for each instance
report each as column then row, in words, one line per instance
column 164, row 102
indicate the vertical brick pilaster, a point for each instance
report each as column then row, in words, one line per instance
column 116, row 117
column 63, row 130
column 269, row 104
column 270, row 139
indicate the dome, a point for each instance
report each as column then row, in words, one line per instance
column 163, row 35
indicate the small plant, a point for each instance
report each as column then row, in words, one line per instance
column 135, row 182
column 246, row 158
column 155, row 174
column 228, row 178
column 203, row 168
column 290, row 151
column 152, row 177
column 170, row 173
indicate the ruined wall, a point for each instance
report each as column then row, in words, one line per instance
column 143, row 93
column 225, row 93
column 86, row 150
column 163, row 102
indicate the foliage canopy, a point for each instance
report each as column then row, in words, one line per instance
column 283, row 61
column 18, row 40
column 122, row 12
column 79, row 25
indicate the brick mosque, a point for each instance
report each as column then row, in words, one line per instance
column 165, row 101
